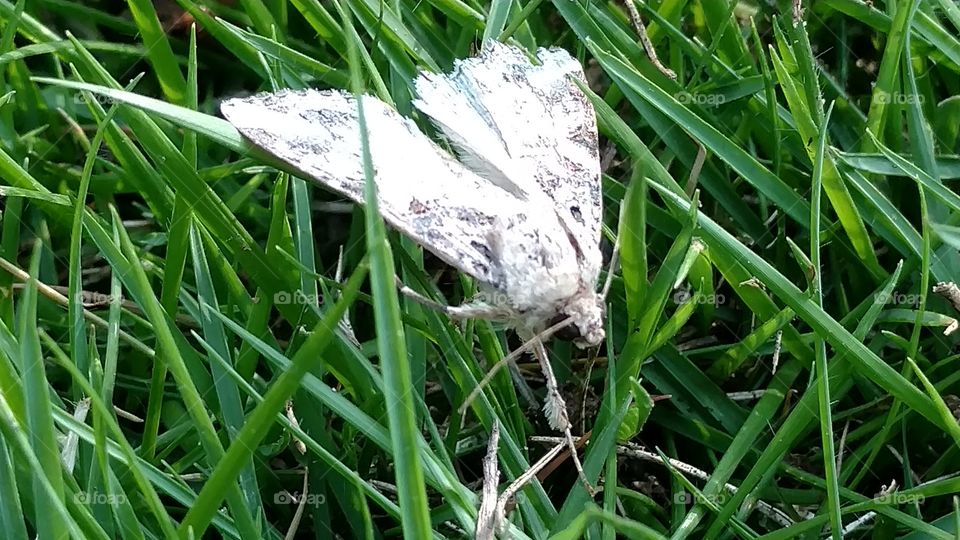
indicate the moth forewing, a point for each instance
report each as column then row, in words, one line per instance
column 422, row 190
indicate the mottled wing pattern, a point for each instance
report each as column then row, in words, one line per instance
column 544, row 122
column 423, row 191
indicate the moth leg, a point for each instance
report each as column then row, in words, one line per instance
column 419, row 298
column 611, row 269
column 469, row 310
column 475, row 310
column 555, row 409
column 529, row 343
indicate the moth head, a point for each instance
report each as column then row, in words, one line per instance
column 585, row 312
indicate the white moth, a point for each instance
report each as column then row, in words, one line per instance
column 519, row 210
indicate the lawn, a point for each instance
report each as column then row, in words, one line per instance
column 196, row 341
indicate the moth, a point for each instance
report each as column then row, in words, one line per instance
column 518, row 206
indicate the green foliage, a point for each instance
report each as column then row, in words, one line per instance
column 196, row 342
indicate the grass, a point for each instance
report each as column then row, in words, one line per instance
column 173, row 356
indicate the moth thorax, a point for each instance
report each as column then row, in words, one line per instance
column 586, row 311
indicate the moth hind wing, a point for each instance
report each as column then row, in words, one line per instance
column 468, row 129
column 546, row 125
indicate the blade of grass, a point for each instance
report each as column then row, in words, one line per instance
column 48, row 484
column 872, row 366
column 748, row 167
column 820, row 348
column 391, row 345
column 193, row 401
column 159, row 52
column 254, row 429
column 45, row 493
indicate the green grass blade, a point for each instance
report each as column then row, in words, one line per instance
column 159, row 51
column 822, row 370
column 391, row 345
column 48, row 484
column 254, row 429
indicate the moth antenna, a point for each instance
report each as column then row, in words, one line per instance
column 613, row 266
column 528, row 345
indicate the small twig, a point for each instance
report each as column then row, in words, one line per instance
column 636, row 451
column 69, row 453
column 98, row 300
column 385, row 487
column 841, row 445
column 127, row 415
column 298, row 515
column 552, row 466
column 752, row 282
column 645, row 40
column 695, row 170
column 858, row 523
column 52, row 294
column 950, row 291
column 748, row 395
column 488, row 522
column 528, row 475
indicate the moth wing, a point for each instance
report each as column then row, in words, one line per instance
column 422, row 190
column 471, row 132
column 544, row 123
